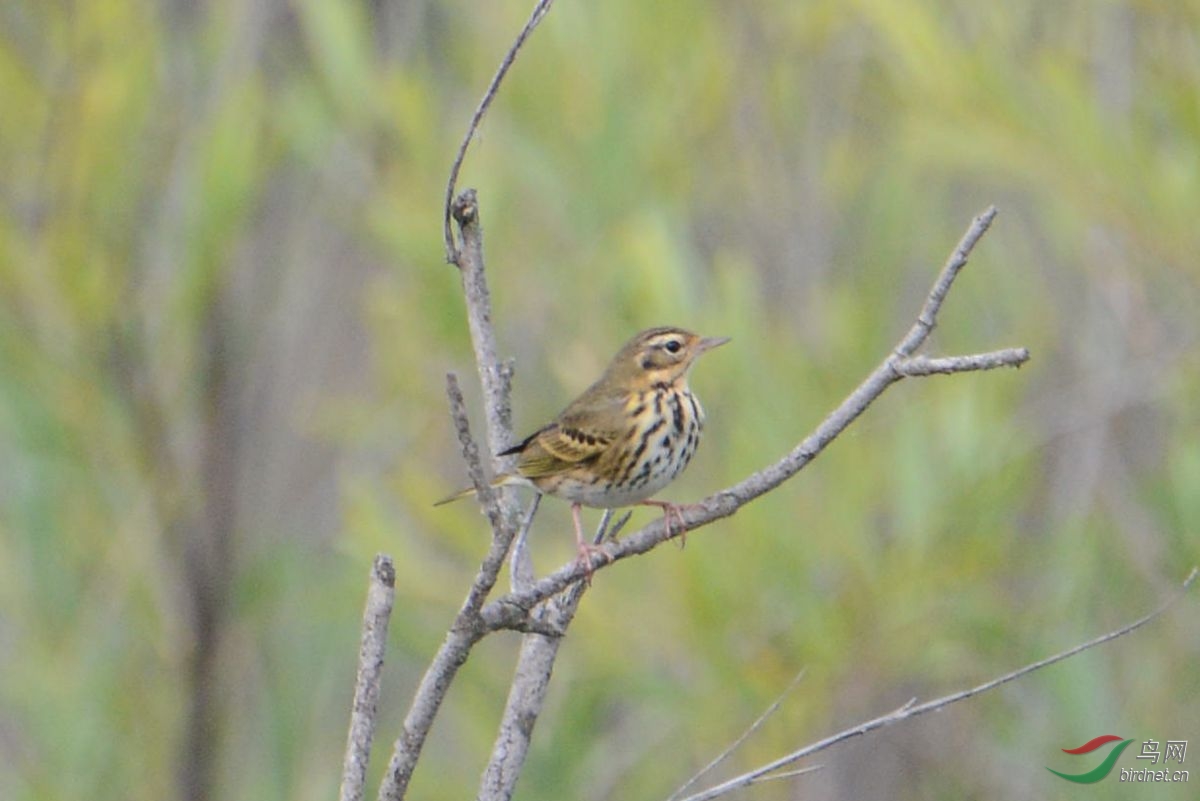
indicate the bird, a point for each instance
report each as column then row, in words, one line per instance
column 629, row 434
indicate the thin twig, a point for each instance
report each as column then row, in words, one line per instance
column 755, row 726
column 381, row 592
column 927, row 319
column 896, row 366
column 913, row 366
column 494, row 560
column 787, row 774
column 606, row 532
column 495, row 376
column 539, row 11
column 470, row 452
column 912, row 710
column 520, row 563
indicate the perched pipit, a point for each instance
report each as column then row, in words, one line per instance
column 625, row 438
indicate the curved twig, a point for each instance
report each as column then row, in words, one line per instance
column 539, row 11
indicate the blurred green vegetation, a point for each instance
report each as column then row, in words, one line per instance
column 225, row 321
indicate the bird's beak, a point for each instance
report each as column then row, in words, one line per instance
column 708, row 343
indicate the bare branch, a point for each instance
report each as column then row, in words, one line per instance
column 500, row 505
column 527, row 694
column 605, row 531
column 494, row 376
column 912, row 710
column 427, row 700
column 898, row 364
column 543, row 628
column 787, row 774
column 945, row 365
column 488, row 497
column 927, row 319
column 520, row 563
column 755, row 726
column 381, row 593
column 467, row 630
column 539, row 11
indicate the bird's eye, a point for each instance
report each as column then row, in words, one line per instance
column 673, row 346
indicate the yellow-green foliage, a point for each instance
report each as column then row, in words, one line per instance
column 224, row 312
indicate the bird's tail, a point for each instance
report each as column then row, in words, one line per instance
column 499, row 481
column 460, row 494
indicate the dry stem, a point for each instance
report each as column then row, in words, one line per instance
column 378, row 612
column 911, row 709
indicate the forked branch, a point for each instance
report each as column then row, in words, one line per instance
column 500, row 505
column 900, row 363
column 523, row 604
column 518, row 608
column 467, row 629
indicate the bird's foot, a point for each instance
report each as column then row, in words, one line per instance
column 670, row 509
column 586, row 551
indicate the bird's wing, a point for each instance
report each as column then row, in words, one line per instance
column 580, row 434
column 555, row 449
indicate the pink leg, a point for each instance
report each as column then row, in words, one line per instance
column 586, row 549
column 668, row 510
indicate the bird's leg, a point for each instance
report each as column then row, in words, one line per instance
column 586, row 549
column 668, row 510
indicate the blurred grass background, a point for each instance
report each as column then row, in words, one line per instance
column 225, row 321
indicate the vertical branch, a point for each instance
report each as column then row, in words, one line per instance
column 500, row 505
column 520, row 565
column 494, row 376
column 527, row 695
column 381, row 594
column 484, row 492
column 503, row 532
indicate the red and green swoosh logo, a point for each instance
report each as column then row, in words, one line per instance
column 1100, row 771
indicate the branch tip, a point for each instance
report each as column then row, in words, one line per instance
column 384, row 570
column 466, row 207
column 373, row 643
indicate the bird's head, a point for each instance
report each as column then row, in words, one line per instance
column 659, row 356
